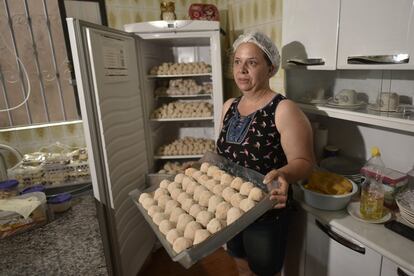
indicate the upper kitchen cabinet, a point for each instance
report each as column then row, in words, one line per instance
column 310, row 34
column 376, row 34
column 351, row 34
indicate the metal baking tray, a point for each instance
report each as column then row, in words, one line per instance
column 193, row 254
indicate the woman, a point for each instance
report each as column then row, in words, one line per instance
column 264, row 131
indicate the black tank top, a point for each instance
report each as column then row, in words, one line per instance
column 252, row 141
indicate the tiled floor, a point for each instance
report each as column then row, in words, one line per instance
column 217, row 264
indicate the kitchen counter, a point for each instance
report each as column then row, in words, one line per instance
column 375, row 236
column 69, row 245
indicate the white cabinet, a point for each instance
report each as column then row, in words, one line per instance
column 310, row 34
column 351, row 34
column 389, row 268
column 331, row 252
column 376, row 33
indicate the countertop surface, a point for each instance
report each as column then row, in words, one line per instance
column 69, row 245
column 395, row 247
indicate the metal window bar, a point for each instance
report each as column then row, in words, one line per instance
column 37, row 67
column 36, row 58
column 52, row 48
column 16, row 52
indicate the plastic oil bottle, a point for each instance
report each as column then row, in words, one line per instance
column 372, row 191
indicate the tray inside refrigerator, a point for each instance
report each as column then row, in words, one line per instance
column 193, row 254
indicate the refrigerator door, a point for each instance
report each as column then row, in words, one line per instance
column 108, row 80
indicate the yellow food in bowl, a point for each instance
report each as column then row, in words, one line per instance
column 328, row 183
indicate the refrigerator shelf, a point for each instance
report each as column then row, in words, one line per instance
column 181, row 75
column 194, row 156
column 183, row 119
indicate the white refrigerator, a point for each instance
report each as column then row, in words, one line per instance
column 116, row 96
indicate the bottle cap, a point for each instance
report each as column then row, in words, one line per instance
column 375, row 151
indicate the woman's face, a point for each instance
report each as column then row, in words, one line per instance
column 250, row 68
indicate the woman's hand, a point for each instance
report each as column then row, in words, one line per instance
column 280, row 193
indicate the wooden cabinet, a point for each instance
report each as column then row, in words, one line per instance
column 310, row 34
column 331, row 252
column 389, row 268
column 351, row 34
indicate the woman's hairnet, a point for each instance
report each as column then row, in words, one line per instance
column 264, row 43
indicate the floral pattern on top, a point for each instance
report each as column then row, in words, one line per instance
column 252, row 141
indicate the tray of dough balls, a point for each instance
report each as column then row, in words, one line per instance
column 195, row 213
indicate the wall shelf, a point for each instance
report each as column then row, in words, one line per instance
column 388, row 120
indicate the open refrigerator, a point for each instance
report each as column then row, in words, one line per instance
column 117, row 79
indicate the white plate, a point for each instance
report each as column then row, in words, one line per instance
column 375, row 107
column 353, row 210
column 331, row 103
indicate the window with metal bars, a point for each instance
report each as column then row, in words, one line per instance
column 35, row 75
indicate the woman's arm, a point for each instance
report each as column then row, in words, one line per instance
column 297, row 143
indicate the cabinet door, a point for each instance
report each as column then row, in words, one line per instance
column 310, row 34
column 331, row 252
column 376, row 34
column 389, row 268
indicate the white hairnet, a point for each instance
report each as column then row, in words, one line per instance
column 264, row 43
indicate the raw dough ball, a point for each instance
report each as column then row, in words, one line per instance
column 187, row 204
column 191, row 187
column 256, row 194
column 160, row 191
column 201, row 235
column 245, row 188
column 158, row 217
column 173, row 185
column 221, row 210
column 186, row 181
column 204, row 198
column 218, row 189
column 237, row 183
column 213, row 202
column 211, row 170
column 204, row 167
column 228, row 193
column 203, row 179
column 175, row 192
column 143, row 196
column 226, row 179
column 190, row 171
column 170, row 205
column 148, row 202
column 214, row 225
column 172, row 235
column 197, row 174
column 246, row 204
column 233, row 214
column 190, row 229
column 164, row 183
column 175, row 213
column 197, row 192
column 162, row 200
column 211, row 183
column 181, row 244
column 195, row 209
column 154, row 209
column 183, row 196
column 204, row 217
column 165, row 226
column 217, row 174
column 179, row 178
column 183, row 220
column 236, row 199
